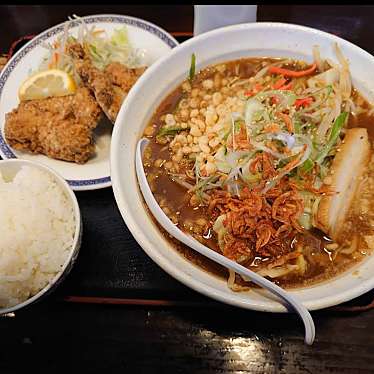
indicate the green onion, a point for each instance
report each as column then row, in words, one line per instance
column 307, row 166
column 172, row 130
column 329, row 89
column 298, row 126
column 202, row 185
column 192, row 67
column 225, row 136
column 253, row 178
column 334, row 134
column 338, row 125
column 203, row 182
column 237, row 126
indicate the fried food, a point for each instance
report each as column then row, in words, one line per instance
column 110, row 86
column 122, row 76
column 59, row 127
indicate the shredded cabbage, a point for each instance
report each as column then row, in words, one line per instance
column 102, row 48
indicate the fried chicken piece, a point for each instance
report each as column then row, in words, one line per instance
column 59, row 127
column 122, row 76
column 110, row 86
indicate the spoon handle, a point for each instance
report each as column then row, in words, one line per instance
column 173, row 230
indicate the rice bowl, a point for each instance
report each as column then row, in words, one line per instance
column 39, row 247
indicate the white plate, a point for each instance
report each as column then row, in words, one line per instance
column 96, row 172
column 256, row 39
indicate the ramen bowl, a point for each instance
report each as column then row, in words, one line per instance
column 225, row 44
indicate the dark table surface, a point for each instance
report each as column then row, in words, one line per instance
column 118, row 311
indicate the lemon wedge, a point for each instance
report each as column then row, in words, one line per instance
column 47, row 83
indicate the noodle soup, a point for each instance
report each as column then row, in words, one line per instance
column 262, row 160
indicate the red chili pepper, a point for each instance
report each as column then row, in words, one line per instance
column 274, row 99
column 303, row 102
column 279, row 83
column 292, row 73
column 286, row 86
column 257, row 88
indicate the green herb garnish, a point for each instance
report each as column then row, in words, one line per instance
column 334, row 134
column 237, row 126
column 307, row 166
column 171, row 130
column 192, row 67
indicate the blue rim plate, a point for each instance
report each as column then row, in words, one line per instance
column 95, row 174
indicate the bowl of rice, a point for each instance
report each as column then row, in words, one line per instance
column 40, row 232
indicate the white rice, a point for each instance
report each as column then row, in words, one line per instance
column 37, row 228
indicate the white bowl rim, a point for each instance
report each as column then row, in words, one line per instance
column 156, row 256
column 77, row 234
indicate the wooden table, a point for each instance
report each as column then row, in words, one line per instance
column 118, row 312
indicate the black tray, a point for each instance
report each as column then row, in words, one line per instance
column 111, row 264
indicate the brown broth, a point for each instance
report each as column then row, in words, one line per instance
column 177, row 202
